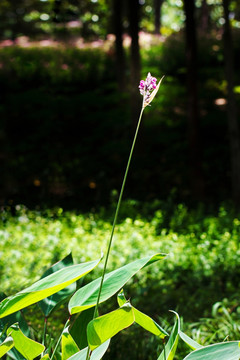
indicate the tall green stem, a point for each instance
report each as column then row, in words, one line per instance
column 44, row 333
column 164, row 349
column 116, row 213
column 59, row 339
column 115, row 219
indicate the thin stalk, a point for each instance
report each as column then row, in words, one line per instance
column 164, row 350
column 116, row 214
column 59, row 339
column 115, row 218
column 44, row 333
column 44, row 330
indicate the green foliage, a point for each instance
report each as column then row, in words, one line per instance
column 6, row 345
column 101, row 328
column 47, row 66
column 203, row 256
column 86, row 297
column 45, row 287
column 222, row 351
column 171, row 346
column 190, row 342
column 48, row 304
column 105, row 327
column 81, row 322
column 69, row 347
column 148, row 324
column 221, row 325
column 203, row 247
column 28, row 348
column 54, row 18
column 96, row 354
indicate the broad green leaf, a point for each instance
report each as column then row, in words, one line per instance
column 79, row 328
column 3, row 325
column 171, row 346
column 86, row 297
column 190, row 342
column 27, row 347
column 105, row 327
column 48, row 304
column 96, row 354
column 6, row 345
column 222, row 351
column 108, row 325
column 12, row 319
column 142, row 319
column 15, row 355
column 45, row 287
column 69, row 346
column 121, row 298
column 6, row 322
column 16, row 317
column 149, row 324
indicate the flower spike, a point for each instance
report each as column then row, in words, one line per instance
column 149, row 89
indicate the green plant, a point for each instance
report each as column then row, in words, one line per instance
column 51, row 291
column 222, row 325
column 80, row 331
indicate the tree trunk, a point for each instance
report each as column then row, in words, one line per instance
column 119, row 51
column 157, row 16
column 196, row 175
column 56, row 10
column 135, row 66
column 204, row 20
column 233, row 126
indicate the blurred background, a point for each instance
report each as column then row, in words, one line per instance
column 69, row 104
column 69, row 101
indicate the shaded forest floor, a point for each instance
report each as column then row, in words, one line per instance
column 65, row 133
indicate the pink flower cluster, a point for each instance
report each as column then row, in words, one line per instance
column 147, row 86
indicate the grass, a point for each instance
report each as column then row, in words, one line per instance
column 203, row 251
column 203, row 258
